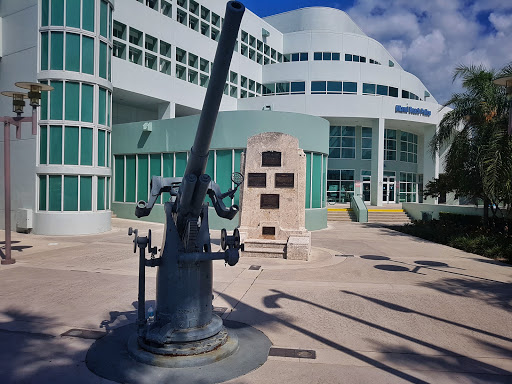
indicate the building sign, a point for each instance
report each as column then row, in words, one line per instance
column 412, row 111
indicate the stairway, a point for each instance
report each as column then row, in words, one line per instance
column 341, row 214
column 388, row 216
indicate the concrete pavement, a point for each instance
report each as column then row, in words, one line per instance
column 374, row 304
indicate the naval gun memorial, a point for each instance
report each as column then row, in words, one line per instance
column 185, row 333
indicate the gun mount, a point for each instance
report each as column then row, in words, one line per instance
column 184, row 323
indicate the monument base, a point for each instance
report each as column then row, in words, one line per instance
column 110, row 358
column 180, row 355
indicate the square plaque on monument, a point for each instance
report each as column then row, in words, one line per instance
column 269, row 201
column 271, row 159
column 257, row 180
column 285, row 180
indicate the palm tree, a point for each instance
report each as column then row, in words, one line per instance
column 479, row 159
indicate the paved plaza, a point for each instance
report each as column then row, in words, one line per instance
column 375, row 305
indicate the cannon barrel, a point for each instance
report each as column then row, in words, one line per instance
column 198, row 157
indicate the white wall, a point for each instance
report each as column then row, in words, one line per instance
column 18, row 63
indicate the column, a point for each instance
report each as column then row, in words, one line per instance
column 430, row 164
column 377, row 163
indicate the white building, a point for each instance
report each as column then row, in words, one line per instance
column 140, row 60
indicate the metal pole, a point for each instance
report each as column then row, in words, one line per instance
column 141, row 307
column 7, row 194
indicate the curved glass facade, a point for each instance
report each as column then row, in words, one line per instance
column 74, row 139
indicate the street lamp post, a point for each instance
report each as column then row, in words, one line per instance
column 18, row 103
column 506, row 82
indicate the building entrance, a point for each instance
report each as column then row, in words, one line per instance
column 388, row 189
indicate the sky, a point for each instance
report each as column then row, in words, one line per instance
column 429, row 38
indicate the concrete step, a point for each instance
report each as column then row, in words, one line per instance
column 341, row 215
column 392, row 216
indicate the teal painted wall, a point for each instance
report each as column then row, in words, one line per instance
column 231, row 132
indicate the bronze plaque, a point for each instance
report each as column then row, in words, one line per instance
column 269, row 231
column 269, row 201
column 257, row 180
column 271, row 159
column 284, row 180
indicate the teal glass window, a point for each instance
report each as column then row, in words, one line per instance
column 142, row 178
column 308, row 179
column 70, row 193
column 43, row 144
column 57, row 12
column 44, row 104
column 103, row 60
column 57, row 50
column 88, row 15
column 56, row 100
column 382, row 90
column 108, row 149
column 86, row 193
column 348, row 142
column 366, row 143
column 318, row 87
column 181, row 163
column 335, row 142
column 101, row 148
column 72, row 101
column 110, row 25
column 87, row 102
column 86, row 146
column 71, row 145
column 107, row 202
column 317, row 181
column 55, row 144
column 130, row 179
column 168, row 170
column 349, row 87
column 73, row 13
column 72, row 52
column 334, row 87
column 45, row 13
column 88, row 55
column 369, row 89
column 109, row 107
column 223, row 174
column 155, row 167
column 44, row 51
column 103, row 18
column 389, row 144
column 109, row 64
column 101, row 194
column 42, row 192
column 119, row 178
column 55, row 192
column 102, row 103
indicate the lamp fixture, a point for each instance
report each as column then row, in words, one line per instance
column 34, row 93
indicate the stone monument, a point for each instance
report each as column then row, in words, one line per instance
column 273, row 198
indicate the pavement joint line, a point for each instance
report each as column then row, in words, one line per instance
column 243, row 295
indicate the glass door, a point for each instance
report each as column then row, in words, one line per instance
column 388, row 189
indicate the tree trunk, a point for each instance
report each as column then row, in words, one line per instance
column 486, row 212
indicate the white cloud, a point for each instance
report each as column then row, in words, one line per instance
column 429, row 38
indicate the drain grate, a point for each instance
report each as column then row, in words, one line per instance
column 84, row 333
column 296, row 353
column 254, row 267
column 344, row 255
